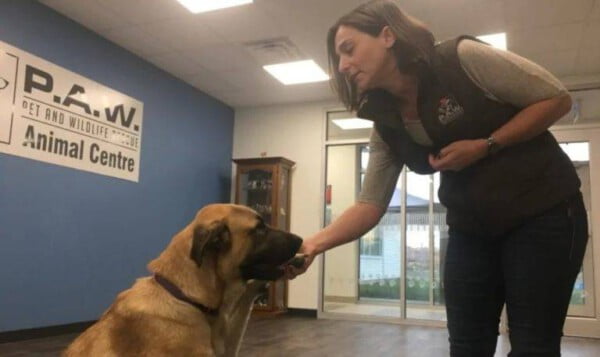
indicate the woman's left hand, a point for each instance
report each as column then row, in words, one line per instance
column 459, row 155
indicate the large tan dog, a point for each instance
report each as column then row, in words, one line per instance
column 199, row 299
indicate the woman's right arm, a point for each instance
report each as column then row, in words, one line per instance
column 378, row 187
column 355, row 221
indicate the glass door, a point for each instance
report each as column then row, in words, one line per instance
column 394, row 271
column 425, row 246
column 582, row 298
column 582, row 145
column 379, row 252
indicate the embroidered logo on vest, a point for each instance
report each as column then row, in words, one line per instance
column 3, row 83
column 449, row 110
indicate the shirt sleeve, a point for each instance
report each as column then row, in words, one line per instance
column 507, row 77
column 382, row 173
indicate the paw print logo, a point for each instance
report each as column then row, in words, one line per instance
column 3, row 83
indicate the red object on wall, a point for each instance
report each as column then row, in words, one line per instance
column 328, row 195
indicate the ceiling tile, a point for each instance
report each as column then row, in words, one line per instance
column 471, row 17
column 137, row 41
column 181, row 34
column 250, row 78
column 558, row 63
column 545, row 39
column 242, row 24
column 144, row 11
column 310, row 92
column 588, row 62
column 88, row 13
column 177, row 63
column 222, row 57
column 595, row 14
column 591, row 35
column 308, row 15
column 536, row 13
column 204, row 78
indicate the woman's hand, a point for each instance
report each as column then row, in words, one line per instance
column 459, row 155
column 309, row 251
column 355, row 221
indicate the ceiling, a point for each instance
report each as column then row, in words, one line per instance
column 210, row 50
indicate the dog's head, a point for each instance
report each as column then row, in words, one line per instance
column 240, row 243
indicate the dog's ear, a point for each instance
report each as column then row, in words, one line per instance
column 212, row 238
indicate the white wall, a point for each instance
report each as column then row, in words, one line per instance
column 294, row 132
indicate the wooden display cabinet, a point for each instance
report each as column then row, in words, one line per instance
column 263, row 184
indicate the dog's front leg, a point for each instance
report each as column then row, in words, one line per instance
column 240, row 314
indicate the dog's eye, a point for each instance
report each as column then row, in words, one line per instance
column 260, row 229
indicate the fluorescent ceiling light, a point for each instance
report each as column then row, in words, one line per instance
column 197, row 6
column 353, row 123
column 497, row 40
column 297, row 72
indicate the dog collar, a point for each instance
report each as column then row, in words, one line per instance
column 179, row 295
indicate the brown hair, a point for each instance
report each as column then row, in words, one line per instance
column 413, row 46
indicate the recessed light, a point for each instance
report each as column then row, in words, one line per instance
column 353, row 123
column 197, row 6
column 497, row 40
column 297, row 72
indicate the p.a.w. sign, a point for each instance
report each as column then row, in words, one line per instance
column 50, row 114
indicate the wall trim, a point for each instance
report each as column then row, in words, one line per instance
column 341, row 299
column 302, row 312
column 41, row 332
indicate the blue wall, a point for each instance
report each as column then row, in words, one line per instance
column 71, row 240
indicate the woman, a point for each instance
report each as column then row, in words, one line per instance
column 479, row 116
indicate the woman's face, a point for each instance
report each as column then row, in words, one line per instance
column 365, row 60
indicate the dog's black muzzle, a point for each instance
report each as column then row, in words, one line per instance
column 270, row 252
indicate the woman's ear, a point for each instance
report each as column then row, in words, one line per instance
column 387, row 36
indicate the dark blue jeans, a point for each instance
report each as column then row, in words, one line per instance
column 532, row 269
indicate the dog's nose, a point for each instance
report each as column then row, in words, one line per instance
column 296, row 242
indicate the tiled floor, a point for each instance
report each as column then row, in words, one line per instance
column 299, row 336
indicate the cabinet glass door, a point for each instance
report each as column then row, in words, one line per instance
column 282, row 198
column 255, row 191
